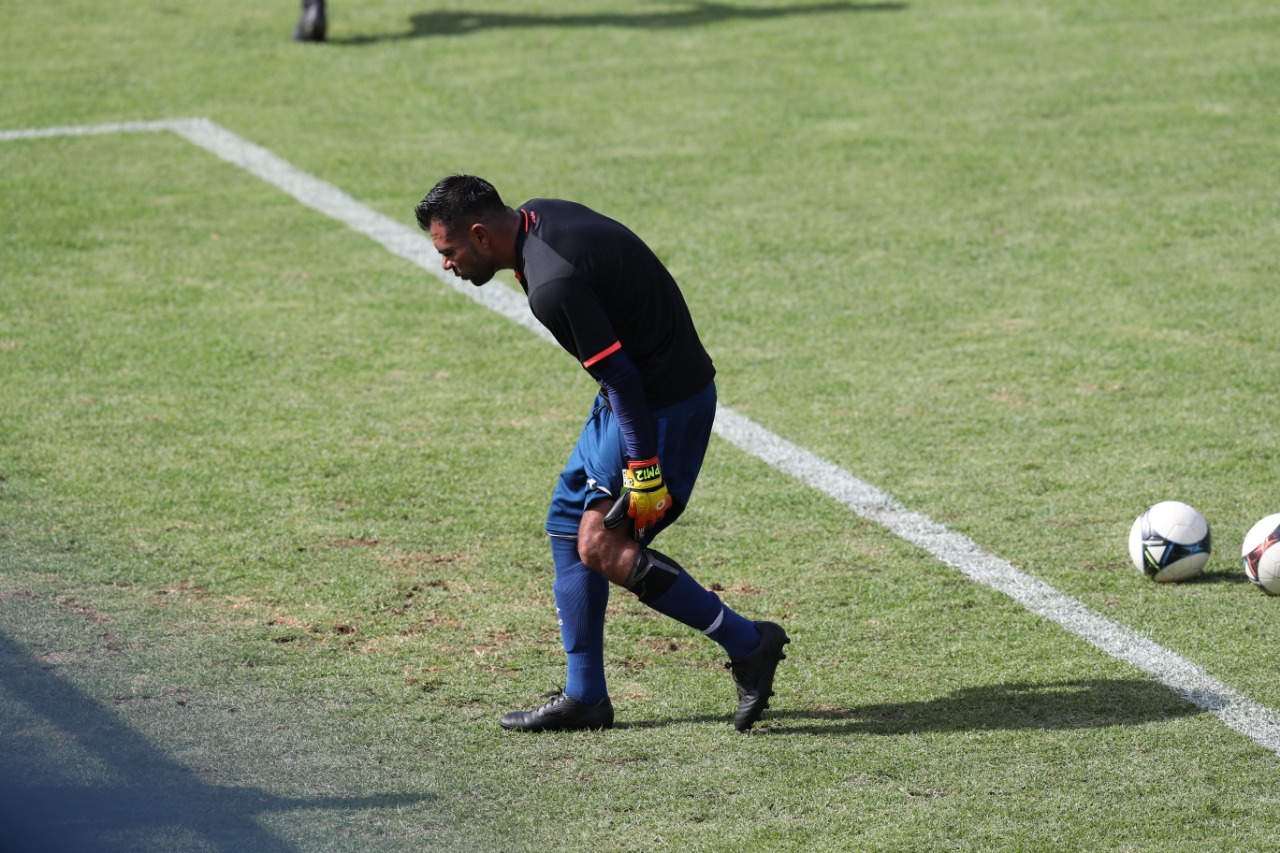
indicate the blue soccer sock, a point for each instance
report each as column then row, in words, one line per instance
column 581, row 597
column 670, row 590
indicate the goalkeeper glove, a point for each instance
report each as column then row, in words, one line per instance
column 644, row 497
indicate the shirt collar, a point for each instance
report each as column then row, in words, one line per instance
column 528, row 219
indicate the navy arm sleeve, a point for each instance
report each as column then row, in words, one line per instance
column 620, row 378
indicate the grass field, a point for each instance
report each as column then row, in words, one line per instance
column 271, row 497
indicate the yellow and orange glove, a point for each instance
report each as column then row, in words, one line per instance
column 644, row 497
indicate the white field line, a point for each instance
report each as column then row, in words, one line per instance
column 1251, row 719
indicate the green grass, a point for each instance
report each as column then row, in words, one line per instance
column 271, row 559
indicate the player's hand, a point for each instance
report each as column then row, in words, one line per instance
column 644, row 498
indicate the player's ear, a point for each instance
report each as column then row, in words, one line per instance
column 480, row 234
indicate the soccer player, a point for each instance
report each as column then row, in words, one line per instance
column 609, row 301
column 312, row 23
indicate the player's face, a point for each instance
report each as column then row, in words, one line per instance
column 465, row 252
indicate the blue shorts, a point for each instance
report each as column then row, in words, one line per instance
column 594, row 469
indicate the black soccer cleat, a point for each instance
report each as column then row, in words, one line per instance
column 753, row 675
column 312, row 25
column 561, row 714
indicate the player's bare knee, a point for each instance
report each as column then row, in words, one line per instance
column 611, row 553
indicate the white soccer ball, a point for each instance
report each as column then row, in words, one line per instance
column 1170, row 542
column 1261, row 554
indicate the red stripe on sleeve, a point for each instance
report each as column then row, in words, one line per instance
column 604, row 353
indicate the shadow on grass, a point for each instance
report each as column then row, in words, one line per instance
column 1236, row 578
column 1064, row 705
column 447, row 24
column 1092, row 703
column 145, row 801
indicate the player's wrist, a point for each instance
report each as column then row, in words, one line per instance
column 643, row 473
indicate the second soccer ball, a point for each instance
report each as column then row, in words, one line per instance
column 1261, row 556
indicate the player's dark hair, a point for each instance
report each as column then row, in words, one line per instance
column 459, row 199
